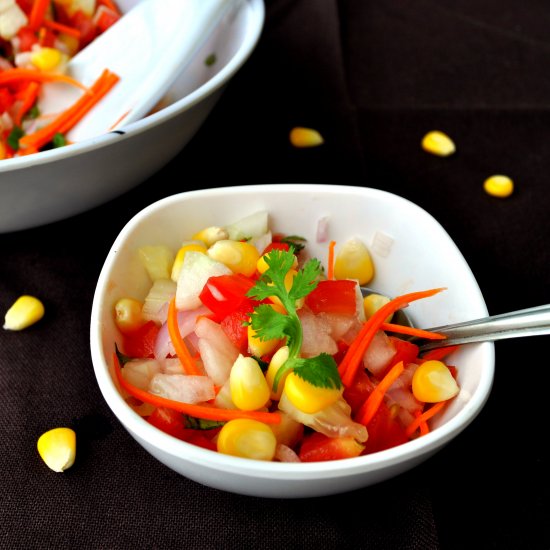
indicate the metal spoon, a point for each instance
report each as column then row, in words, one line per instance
column 534, row 321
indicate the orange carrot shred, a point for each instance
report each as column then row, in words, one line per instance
column 350, row 364
column 28, row 97
column 424, row 417
column 64, row 29
column 111, row 5
column 19, row 74
column 330, row 267
column 370, row 406
column 179, row 345
column 66, row 120
column 198, row 411
column 412, row 331
column 37, row 14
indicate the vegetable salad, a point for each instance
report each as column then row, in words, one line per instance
column 245, row 346
column 37, row 39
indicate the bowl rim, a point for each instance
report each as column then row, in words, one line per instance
column 251, row 37
column 141, row 429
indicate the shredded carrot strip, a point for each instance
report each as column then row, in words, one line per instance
column 19, row 74
column 198, row 411
column 37, row 14
column 424, row 417
column 104, row 85
column 438, row 354
column 350, row 364
column 330, row 268
column 411, row 331
column 120, row 119
column 59, row 27
column 66, row 120
column 370, row 406
column 28, row 97
column 424, row 428
column 179, row 345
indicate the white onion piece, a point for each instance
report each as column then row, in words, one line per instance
column 139, row 372
column 316, row 335
column 186, row 323
column 217, row 352
column 155, row 305
column 171, row 365
column 182, row 387
column 333, row 421
column 248, row 227
column 285, row 454
column 262, row 242
column 322, row 230
column 379, row 353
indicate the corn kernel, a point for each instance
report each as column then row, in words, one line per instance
column 57, row 448
column 499, row 186
column 353, row 261
column 249, row 389
column 438, row 143
column 46, row 59
column 277, row 361
column 211, row 235
column 373, row 302
column 305, row 137
column 128, row 315
column 240, row 257
column 308, row 398
column 247, row 438
column 157, row 260
column 26, row 311
column 433, row 382
column 180, row 256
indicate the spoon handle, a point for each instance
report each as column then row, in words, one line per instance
column 533, row 321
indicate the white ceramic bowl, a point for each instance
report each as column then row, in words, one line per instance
column 411, row 252
column 52, row 185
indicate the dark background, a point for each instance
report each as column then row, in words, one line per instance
column 373, row 78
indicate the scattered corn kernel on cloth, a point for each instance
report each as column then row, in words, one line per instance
column 372, row 77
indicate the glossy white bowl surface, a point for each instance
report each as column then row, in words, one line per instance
column 411, row 252
column 53, row 185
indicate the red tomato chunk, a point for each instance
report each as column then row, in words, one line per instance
column 333, row 297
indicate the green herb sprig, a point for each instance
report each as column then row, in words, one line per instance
column 320, row 371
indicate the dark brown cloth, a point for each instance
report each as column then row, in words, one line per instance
column 373, row 78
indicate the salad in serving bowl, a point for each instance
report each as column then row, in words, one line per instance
column 244, row 345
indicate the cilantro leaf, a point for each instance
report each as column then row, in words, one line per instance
column 269, row 324
column 320, row 371
column 201, row 423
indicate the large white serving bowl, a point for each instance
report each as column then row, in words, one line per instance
column 53, row 185
column 411, row 251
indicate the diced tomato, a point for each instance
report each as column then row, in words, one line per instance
column 342, row 350
column 173, row 423
column 224, row 294
column 85, row 25
column 359, row 391
column 333, row 297
column 385, row 431
column 233, row 326
column 169, row 421
column 404, row 351
column 105, row 18
column 6, row 100
column 47, row 38
column 275, row 246
column 141, row 342
column 202, row 438
column 27, row 39
column 318, row 447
